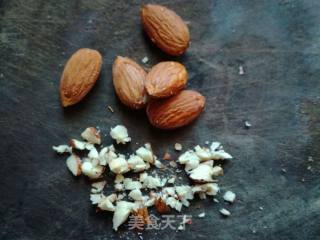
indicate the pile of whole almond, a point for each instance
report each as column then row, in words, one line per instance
column 160, row 90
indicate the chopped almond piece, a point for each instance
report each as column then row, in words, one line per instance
column 119, row 165
column 91, row 135
column 91, row 171
column 120, row 134
column 166, row 156
column 74, row 164
column 203, row 173
column 225, row 212
column 161, row 206
column 121, row 213
column 177, row 146
column 229, row 196
column 62, row 149
column 146, row 154
column 80, row 145
column 97, row 187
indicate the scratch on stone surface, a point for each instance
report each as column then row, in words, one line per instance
column 208, row 63
column 246, row 50
column 315, row 205
column 249, row 108
column 240, row 83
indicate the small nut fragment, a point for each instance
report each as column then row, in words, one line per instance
column 106, row 203
column 172, row 180
column 94, row 155
column 120, row 134
column 217, row 171
column 184, row 193
column 137, row 164
column 80, row 145
column 161, row 206
column 203, row 173
column 152, row 182
column 91, row 135
column 166, row 156
column 178, row 146
column 174, row 203
column 119, row 165
column 96, row 198
column 93, row 172
column 131, row 185
column 74, row 164
column 98, row 186
column 62, row 149
column 225, row 212
column 190, row 159
column 136, row 195
column 146, row 154
column 203, row 153
column 210, row 189
column 241, row 70
column 229, row 196
column 111, row 109
column 145, row 59
column 121, row 213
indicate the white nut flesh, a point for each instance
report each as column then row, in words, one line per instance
column 120, row 134
column 91, row 135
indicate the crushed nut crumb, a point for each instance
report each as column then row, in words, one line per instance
column 225, row 212
column 128, row 196
column 110, row 109
column 247, row 124
column 177, row 146
column 167, row 156
column 145, row 59
column 310, row 159
column 241, row 70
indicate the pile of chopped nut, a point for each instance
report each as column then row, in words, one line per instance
column 135, row 195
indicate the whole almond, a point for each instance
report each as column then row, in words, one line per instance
column 165, row 28
column 166, row 79
column 176, row 111
column 79, row 75
column 129, row 82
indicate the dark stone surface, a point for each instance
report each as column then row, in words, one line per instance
column 276, row 41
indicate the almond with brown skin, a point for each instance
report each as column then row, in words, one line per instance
column 79, row 75
column 166, row 79
column 176, row 111
column 129, row 82
column 165, row 28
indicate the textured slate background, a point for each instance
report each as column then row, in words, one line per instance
column 276, row 41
